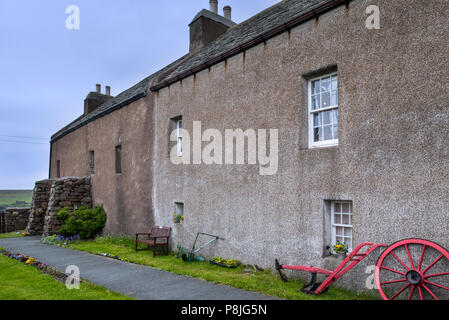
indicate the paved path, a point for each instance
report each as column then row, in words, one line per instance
column 129, row 279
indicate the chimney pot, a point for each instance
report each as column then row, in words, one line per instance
column 108, row 90
column 227, row 12
column 213, row 6
column 98, row 88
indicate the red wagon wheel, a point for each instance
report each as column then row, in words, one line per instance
column 404, row 270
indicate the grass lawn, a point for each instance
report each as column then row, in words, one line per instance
column 8, row 198
column 11, row 235
column 262, row 282
column 22, row 282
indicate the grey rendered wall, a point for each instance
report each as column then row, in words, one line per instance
column 391, row 160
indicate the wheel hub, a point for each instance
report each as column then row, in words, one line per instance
column 414, row 277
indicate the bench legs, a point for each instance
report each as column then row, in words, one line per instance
column 154, row 246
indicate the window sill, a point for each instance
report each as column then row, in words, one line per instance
column 324, row 145
column 329, row 146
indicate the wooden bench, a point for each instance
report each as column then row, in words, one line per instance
column 158, row 237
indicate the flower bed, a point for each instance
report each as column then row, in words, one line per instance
column 111, row 256
column 27, row 260
column 225, row 263
column 34, row 262
column 60, row 241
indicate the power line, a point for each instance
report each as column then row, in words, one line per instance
column 19, row 137
column 23, row 142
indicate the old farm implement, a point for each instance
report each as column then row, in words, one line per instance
column 403, row 270
column 191, row 255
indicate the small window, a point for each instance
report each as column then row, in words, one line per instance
column 58, row 169
column 323, row 111
column 179, row 136
column 179, row 208
column 176, row 126
column 118, row 159
column 341, row 221
column 92, row 162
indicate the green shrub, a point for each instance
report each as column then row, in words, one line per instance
column 50, row 240
column 85, row 222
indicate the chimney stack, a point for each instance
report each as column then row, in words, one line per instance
column 207, row 26
column 213, row 6
column 227, row 12
column 96, row 99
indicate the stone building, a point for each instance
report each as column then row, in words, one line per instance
column 362, row 118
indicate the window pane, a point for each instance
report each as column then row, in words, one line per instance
column 334, row 83
column 325, row 84
column 346, row 219
column 340, row 239
column 339, row 231
column 337, row 207
column 316, row 87
column 334, row 98
column 328, row 133
column 317, row 121
column 335, row 128
column 327, row 117
column 326, row 100
column 345, row 207
column 348, row 232
column 335, row 116
column 337, row 219
column 316, row 102
column 318, row 134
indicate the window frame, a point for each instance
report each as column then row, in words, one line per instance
column 347, row 226
column 311, row 113
column 179, row 136
column 92, row 162
column 118, row 160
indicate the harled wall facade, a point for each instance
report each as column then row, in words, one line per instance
column 391, row 161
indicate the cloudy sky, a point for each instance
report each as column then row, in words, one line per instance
column 46, row 70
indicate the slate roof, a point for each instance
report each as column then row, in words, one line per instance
column 213, row 16
column 243, row 33
column 123, row 99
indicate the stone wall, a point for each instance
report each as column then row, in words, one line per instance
column 16, row 219
column 39, row 207
column 66, row 193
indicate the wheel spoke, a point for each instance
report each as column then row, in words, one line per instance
column 437, row 275
column 394, row 281
column 400, row 261
column 437, row 285
column 411, row 293
column 400, row 291
column 420, row 293
column 432, row 294
column 422, row 257
column 433, row 263
column 402, row 273
column 410, row 257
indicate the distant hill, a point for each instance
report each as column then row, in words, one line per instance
column 16, row 198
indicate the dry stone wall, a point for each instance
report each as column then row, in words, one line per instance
column 66, row 193
column 50, row 196
column 16, row 219
column 39, row 207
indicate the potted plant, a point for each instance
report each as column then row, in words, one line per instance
column 340, row 250
column 178, row 218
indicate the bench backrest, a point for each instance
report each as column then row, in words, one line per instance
column 163, row 232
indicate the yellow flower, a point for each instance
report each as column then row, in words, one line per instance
column 182, row 218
